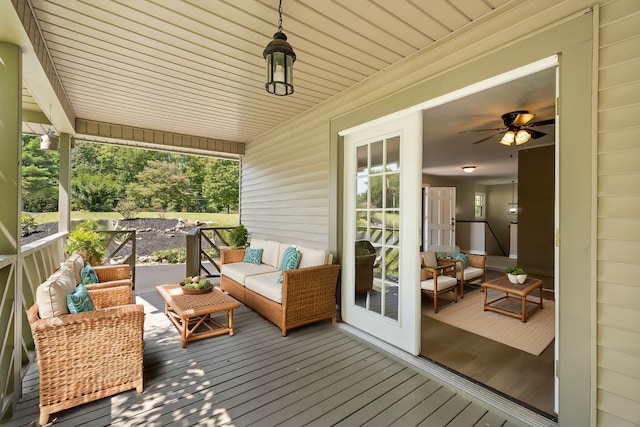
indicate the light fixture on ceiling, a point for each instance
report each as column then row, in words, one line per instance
column 280, row 58
column 468, row 169
column 49, row 141
column 513, row 206
column 519, row 136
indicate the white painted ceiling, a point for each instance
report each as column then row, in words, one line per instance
column 195, row 67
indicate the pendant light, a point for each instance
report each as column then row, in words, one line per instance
column 513, row 206
column 49, row 141
column 280, row 58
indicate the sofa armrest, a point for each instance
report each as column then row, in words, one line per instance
column 108, row 273
column 231, row 255
column 110, row 294
column 306, row 292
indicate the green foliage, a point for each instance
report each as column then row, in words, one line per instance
column 160, row 186
column 40, row 175
column 515, row 270
column 221, row 185
column 28, row 224
column 92, row 191
column 128, row 209
column 238, row 236
column 171, row 256
column 85, row 241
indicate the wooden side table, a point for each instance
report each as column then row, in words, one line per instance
column 191, row 314
column 513, row 292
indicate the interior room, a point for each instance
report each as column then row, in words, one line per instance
column 504, row 210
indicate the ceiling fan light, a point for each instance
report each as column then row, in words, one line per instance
column 508, row 138
column 468, row 169
column 522, row 136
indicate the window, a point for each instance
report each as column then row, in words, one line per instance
column 479, row 205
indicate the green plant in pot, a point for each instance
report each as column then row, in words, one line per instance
column 238, row 236
column 85, row 241
column 516, row 275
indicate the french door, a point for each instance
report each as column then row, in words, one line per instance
column 381, row 222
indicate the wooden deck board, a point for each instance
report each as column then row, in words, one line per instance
column 317, row 375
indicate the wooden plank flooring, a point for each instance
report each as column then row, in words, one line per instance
column 319, row 375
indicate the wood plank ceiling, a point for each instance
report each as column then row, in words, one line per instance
column 195, row 67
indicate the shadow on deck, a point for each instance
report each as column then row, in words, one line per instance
column 318, row 375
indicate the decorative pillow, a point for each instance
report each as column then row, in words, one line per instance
column 51, row 295
column 88, row 274
column 463, row 258
column 290, row 260
column 77, row 262
column 79, row 300
column 253, row 256
column 429, row 259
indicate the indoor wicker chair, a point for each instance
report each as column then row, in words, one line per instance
column 87, row 356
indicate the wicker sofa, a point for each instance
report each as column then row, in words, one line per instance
column 307, row 293
column 86, row 356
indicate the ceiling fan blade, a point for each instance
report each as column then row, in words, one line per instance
column 535, row 134
column 487, row 138
column 543, row 122
column 479, row 130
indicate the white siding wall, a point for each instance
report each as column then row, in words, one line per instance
column 618, row 298
column 286, row 182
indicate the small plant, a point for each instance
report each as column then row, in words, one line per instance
column 28, row 224
column 85, row 241
column 238, row 236
column 196, row 283
column 171, row 256
column 127, row 209
column 515, row 270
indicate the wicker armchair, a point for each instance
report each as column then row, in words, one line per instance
column 87, row 356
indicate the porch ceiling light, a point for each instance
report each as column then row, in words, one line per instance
column 49, row 141
column 468, row 169
column 280, row 58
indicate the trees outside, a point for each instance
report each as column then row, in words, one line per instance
column 104, row 177
column 40, row 175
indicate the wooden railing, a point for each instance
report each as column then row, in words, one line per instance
column 204, row 244
column 121, row 243
column 20, row 275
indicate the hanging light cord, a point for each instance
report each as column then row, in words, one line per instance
column 280, row 17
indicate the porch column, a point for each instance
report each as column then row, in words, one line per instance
column 10, row 210
column 64, row 188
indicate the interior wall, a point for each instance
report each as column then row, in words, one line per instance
column 536, row 182
column 498, row 198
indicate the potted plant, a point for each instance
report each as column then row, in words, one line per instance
column 85, row 241
column 238, row 236
column 516, row 275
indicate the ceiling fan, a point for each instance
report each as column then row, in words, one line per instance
column 517, row 128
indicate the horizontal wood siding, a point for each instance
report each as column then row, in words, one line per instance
column 618, row 295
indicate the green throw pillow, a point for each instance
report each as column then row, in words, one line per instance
column 290, row 260
column 462, row 257
column 88, row 274
column 79, row 300
column 253, row 256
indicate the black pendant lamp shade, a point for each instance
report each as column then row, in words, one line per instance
column 280, row 58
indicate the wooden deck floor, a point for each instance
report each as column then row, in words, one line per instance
column 318, row 375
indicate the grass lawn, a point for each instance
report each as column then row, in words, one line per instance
column 218, row 218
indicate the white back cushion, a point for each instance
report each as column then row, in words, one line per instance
column 270, row 251
column 51, row 295
column 311, row 257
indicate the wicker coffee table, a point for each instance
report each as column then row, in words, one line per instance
column 504, row 304
column 191, row 313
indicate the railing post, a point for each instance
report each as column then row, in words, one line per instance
column 193, row 252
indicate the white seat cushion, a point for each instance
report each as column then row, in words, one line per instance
column 470, row 273
column 239, row 271
column 266, row 285
column 444, row 282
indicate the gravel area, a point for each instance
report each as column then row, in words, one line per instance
column 152, row 234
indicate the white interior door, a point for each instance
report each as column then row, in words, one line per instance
column 440, row 213
column 382, row 176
